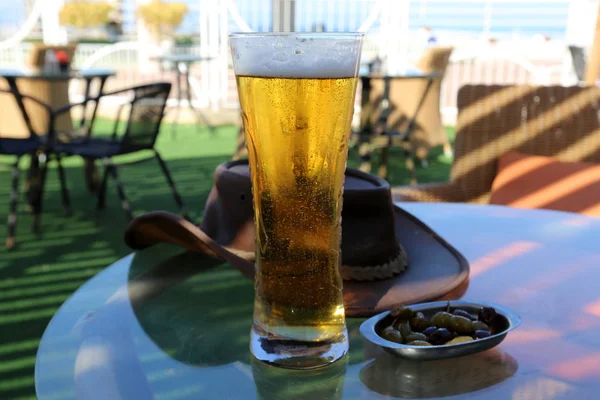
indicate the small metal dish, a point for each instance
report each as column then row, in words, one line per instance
column 508, row 321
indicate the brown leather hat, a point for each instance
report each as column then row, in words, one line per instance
column 372, row 230
column 370, row 249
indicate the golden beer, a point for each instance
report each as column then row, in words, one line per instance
column 297, row 132
column 297, row 122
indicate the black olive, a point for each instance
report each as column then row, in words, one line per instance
column 480, row 334
column 429, row 330
column 487, row 315
column 463, row 313
column 440, row 336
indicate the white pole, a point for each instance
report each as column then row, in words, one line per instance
column 487, row 19
column 394, row 34
column 213, row 44
column 52, row 32
column 223, row 88
column 580, row 22
column 384, row 30
column 404, row 11
column 204, row 51
column 143, row 38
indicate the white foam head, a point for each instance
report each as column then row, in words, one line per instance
column 296, row 55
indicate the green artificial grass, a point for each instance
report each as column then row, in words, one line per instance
column 45, row 269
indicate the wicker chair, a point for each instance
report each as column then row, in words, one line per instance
column 562, row 122
column 144, row 107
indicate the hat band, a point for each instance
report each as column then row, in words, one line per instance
column 376, row 272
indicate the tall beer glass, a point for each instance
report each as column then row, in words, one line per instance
column 297, row 97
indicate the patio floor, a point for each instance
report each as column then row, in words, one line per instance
column 43, row 271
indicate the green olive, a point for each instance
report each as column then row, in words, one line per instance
column 416, row 336
column 480, row 326
column 419, row 323
column 386, row 331
column 461, row 324
column 419, row 343
column 392, row 335
column 442, row 319
column 404, row 329
column 402, row 313
column 460, row 339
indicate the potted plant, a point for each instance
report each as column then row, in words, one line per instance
column 161, row 19
column 83, row 14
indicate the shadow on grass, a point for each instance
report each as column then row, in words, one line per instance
column 43, row 270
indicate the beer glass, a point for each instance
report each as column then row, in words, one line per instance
column 296, row 93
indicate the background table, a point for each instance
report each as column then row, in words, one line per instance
column 39, row 123
column 153, row 325
column 379, row 134
column 182, row 64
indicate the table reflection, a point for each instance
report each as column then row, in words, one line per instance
column 274, row 383
column 391, row 376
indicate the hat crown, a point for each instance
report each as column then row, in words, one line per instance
column 368, row 229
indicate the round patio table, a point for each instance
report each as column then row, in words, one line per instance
column 167, row 324
column 182, row 64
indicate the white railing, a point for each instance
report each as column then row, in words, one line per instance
column 390, row 26
column 472, row 64
column 491, row 66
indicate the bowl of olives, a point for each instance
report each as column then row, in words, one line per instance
column 438, row 330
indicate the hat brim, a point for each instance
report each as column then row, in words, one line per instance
column 436, row 269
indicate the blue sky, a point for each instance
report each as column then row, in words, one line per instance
column 524, row 17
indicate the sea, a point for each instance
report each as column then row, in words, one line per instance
column 496, row 18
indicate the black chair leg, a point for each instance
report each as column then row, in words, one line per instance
column 30, row 182
column 124, row 203
column 102, row 190
column 410, row 165
column 383, row 163
column 14, row 197
column 365, row 152
column 178, row 200
column 91, row 174
column 39, row 197
column 64, row 191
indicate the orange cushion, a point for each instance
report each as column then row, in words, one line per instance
column 527, row 181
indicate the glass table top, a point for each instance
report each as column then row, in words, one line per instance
column 168, row 324
column 45, row 74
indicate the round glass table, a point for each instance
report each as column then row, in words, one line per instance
column 164, row 323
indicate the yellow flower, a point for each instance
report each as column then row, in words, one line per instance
column 85, row 14
column 159, row 16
